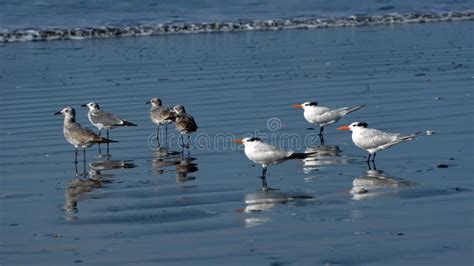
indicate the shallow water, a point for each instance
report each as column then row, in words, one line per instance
column 205, row 207
column 93, row 13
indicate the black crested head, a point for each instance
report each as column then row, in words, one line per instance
column 313, row 104
column 254, row 139
column 362, row 124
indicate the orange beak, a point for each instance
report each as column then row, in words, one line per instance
column 239, row 141
column 298, row 105
column 343, row 128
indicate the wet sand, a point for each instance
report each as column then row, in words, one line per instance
column 167, row 208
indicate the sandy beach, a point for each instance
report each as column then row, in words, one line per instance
column 149, row 206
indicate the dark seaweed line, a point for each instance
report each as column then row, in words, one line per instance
column 25, row 35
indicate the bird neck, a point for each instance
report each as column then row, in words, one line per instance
column 69, row 119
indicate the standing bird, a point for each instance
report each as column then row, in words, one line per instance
column 266, row 154
column 160, row 116
column 373, row 140
column 101, row 120
column 184, row 123
column 78, row 135
column 324, row 116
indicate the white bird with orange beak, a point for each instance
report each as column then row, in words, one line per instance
column 324, row 116
column 373, row 140
column 266, row 154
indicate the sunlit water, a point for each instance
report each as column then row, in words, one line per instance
column 149, row 205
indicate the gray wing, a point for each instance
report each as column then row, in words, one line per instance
column 332, row 115
column 162, row 114
column 376, row 138
column 81, row 135
column 266, row 152
column 185, row 122
column 104, row 118
column 322, row 115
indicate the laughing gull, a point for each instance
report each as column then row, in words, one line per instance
column 160, row 116
column 101, row 119
column 185, row 123
column 78, row 135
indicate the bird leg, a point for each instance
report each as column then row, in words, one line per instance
column 100, row 150
column 371, row 166
column 84, row 166
column 75, row 158
column 368, row 158
column 181, row 141
column 321, row 139
column 108, row 153
column 264, row 183
column 321, row 130
column 264, row 172
column 264, row 178
column 84, row 155
column 373, row 157
column 158, row 136
column 77, row 174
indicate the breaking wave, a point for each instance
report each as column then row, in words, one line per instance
column 48, row 34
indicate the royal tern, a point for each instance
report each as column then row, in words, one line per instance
column 160, row 116
column 266, row 154
column 323, row 116
column 185, row 123
column 373, row 140
column 78, row 135
column 104, row 120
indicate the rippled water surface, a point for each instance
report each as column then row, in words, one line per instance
column 147, row 205
column 90, row 13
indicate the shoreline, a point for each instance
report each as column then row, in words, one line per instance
column 81, row 33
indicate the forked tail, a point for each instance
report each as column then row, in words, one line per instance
column 409, row 137
column 354, row 108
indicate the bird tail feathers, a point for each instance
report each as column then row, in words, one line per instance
column 354, row 108
column 128, row 124
column 104, row 140
column 301, row 155
column 409, row 137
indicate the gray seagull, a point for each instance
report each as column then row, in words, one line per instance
column 184, row 123
column 78, row 135
column 104, row 120
column 160, row 116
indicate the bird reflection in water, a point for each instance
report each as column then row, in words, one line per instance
column 266, row 199
column 166, row 160
column 374, row 183
column 111, row 164
column 78, row 187
column 324, row 155
column 186, row 165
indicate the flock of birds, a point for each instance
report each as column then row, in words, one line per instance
column 369, row 139
column 82, row 137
